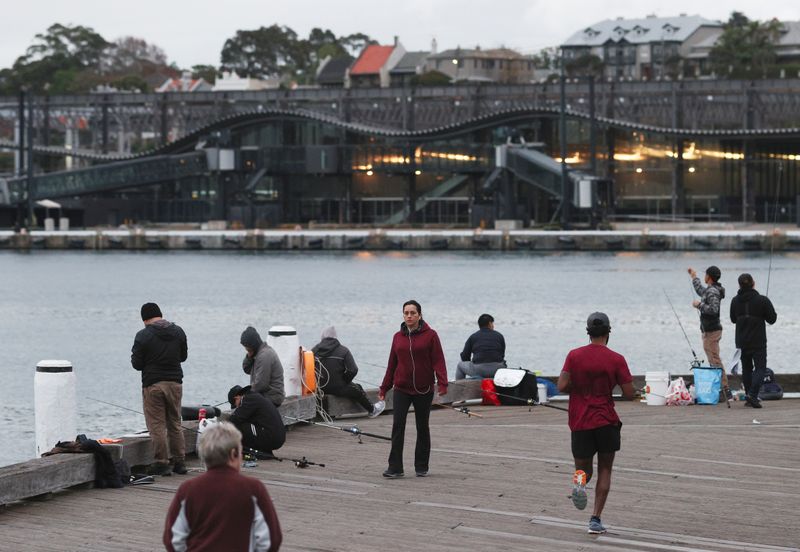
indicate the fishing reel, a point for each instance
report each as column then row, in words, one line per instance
column 304, row 463
column 353, row 430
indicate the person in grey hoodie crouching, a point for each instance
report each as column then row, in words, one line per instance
column 263, row 365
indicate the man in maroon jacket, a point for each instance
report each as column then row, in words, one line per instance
column 222, row 509
column 590, row 374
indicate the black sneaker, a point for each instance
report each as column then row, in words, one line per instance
column 422, row 473
column 157, row 468
column 179, row 468
column 752, row 403
column 392, row 474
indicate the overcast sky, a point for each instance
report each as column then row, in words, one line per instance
column 193, row 32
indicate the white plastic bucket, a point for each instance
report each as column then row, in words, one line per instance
column 287, row 345
column 542, row 393
column 657, row 384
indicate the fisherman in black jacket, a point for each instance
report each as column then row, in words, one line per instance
column 157, row 353
column 336, row 369
column 749, row 311
column 257, row 419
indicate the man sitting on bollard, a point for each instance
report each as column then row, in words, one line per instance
column 263, row 365
column 222, row 509
column 336, row 369
column 487, row 349
column 257, row 419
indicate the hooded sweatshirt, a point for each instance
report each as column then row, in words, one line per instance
column 415, row 360
column 710, row 301
column 264, row 367
column 750, row 311
column 337, row 366
column 158, row 351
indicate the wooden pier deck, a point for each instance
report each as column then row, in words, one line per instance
column 695, row 478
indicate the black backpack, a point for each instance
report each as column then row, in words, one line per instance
column 770, row 390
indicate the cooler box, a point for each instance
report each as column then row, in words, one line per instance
column 707, row 384
column 515, row 386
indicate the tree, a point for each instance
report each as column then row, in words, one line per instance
column 130, row 53
column 431, row 78
column 746, row 49
column 585, row 65
column 264, row 52
column 56, row 61
column 206, row 72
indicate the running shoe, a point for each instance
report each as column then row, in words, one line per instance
column 578, row 495
column 596, row 526
column 422, row 473
column 392, row 474
column 377, row 408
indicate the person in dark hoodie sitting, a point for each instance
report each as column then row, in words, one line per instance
column 484, row 352
column 263, row 365
column 336, row 369
column 157, row 353
column 750, row 311
column 709, row 305
column 257, row 419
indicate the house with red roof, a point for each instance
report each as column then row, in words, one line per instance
column 186, row 83
column 371, row 68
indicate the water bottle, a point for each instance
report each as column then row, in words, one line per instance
column 201, row 415
column 693, row 393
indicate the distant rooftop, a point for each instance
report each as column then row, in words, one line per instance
column 479, row 53
column 333, row 70
column 640, row 31
column 409, row 62
column 372, row 58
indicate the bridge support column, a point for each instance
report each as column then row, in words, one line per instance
column 411, row 200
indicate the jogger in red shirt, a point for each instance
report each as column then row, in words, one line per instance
column 590, row 374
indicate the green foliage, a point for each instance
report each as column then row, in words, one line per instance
column 278, row 51
column 431, row 78
column 746, row 49
column 206, row 72
column 585, row 65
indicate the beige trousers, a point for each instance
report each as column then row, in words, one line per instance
column 711, row 347
column 162, row 414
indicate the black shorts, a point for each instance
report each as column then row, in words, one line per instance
column 588, row 442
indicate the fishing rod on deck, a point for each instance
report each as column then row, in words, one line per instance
column 461, row 409
column 530, row 402
column 298, row 462
column 353, row 430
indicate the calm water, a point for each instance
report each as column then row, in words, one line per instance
column 84, row 307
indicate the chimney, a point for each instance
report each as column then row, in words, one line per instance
column 434, row 47
column 396, row 40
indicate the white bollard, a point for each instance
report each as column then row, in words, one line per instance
column 55, row 405
column 286, row 343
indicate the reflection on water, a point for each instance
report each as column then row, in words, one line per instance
column 84, row 307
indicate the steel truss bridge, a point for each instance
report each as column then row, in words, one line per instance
column 122, row 122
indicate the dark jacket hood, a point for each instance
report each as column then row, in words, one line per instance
column 326, row 347
column 720, row 288
column 747, row 294
column 250, row 338
column 165, row 330
column 421, row 328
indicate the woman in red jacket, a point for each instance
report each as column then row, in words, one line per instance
column 415, row 360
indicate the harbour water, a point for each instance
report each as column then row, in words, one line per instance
column 84, row 307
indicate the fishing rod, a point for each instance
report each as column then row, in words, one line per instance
column 298, row 462
column 696, row 361
column 530, row 402
column 462, row 409
column 774, row 225
column 353, row 430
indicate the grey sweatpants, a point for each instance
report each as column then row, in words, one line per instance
column 486, row 370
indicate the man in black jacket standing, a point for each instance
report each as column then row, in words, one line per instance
column 749, row 311
column 157, row 353
column 257, row 419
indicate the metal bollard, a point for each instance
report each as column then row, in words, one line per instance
column 55, row 404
